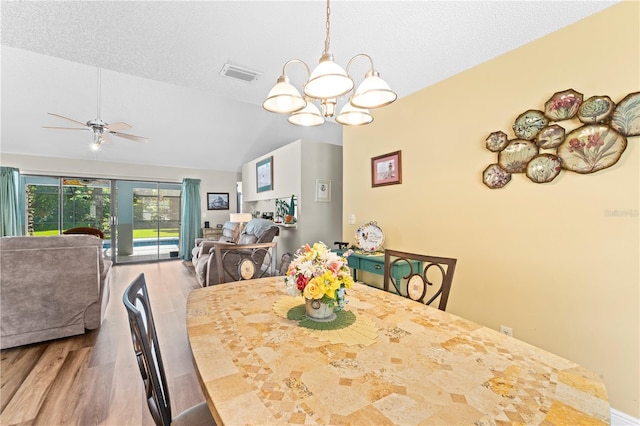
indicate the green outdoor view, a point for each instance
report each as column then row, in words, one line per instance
column 87, row 203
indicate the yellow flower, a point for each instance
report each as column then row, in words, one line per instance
column 347, row 280
column 320, row 249
column 314, row 288
column 331, row 283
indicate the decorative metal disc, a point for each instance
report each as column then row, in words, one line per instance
column 495, row 177
column 550, row 137
column 590, row 148
column 595, row 109
column 563, row 105
column 516, row 155
column 415, row 287
column 626, row 117
column 246, row 269
column 544, row 168
column 529, row 123
column 496, row 141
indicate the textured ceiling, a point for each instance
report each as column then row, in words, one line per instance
column 162, row 60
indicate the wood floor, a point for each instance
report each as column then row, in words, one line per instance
column 93, row 379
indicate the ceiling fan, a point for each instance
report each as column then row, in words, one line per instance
column 99, row 128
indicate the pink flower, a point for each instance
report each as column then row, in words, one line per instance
column 335, row 267
column 575, row 145
column 594, row 141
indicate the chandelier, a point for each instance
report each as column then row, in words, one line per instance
column 325, row 84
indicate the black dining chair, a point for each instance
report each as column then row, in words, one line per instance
column 147, row 350
column 427, row 277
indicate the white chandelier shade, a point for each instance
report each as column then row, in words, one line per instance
column 353, row 116
column 284, row 98
column 309, row 116
column 328, row 80
column 373, row 92
column 326, row 84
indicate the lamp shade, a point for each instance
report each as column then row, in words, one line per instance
column 240, row 217
column 309, row 116
column 328, row 80
column 373, row 92
column 354, row 116
column 283, row 98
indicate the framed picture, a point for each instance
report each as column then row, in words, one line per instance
column 264, row 174
column 217, row 201
column 386, row 169
column 323, row 190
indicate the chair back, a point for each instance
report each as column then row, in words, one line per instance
column 85, row 230
column 245, row 262
column 427, row 277
column 147, row 350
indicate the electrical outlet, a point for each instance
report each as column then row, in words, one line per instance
column 352, row 219
column 506, row 330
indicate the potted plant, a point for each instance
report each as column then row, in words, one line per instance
column 289, row 217
column 282, row 207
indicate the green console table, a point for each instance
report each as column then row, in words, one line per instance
column 375, row 265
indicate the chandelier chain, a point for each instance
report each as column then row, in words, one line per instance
column 328, row 25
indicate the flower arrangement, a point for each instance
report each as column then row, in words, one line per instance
column 318, row 273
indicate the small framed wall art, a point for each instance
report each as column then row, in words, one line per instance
column 323, row 190
column 386, row 169
column 264, row 174
column 217, row 201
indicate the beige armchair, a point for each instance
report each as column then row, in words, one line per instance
column 251, row 256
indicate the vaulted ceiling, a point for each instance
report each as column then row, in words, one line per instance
column 161, row 63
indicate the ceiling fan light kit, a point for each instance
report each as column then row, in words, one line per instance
column 100, row 130
column 326, row 83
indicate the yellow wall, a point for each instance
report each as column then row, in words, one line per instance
column 548, row 260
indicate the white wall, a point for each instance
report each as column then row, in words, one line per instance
column 286, row 174
column 296, row 167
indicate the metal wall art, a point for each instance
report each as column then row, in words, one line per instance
column 542, row 148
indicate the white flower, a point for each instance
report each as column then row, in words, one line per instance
column 292, row 288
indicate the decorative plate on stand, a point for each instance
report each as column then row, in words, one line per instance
column 369, row 237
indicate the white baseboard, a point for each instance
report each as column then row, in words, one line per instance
column 618, row 418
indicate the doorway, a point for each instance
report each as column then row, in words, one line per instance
column 146, row 222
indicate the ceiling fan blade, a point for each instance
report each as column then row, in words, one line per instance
column 131, row 137
column 118, row 126
column 65, row 128
column 67, row 118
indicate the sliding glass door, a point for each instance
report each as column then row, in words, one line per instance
column 140, row 220
column 57, row 204
column 147, row 221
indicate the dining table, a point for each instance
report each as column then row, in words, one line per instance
column 384, row 359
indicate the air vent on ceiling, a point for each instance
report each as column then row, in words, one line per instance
column 239, row 73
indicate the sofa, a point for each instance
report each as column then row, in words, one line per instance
column 219, row 261
column 51, row 287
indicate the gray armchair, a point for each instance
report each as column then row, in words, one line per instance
column 252, row 257
column 230, row 234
